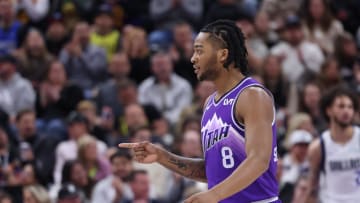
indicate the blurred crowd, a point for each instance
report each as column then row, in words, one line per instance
column 77, row 77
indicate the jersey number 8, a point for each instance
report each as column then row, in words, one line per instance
column 227, row 157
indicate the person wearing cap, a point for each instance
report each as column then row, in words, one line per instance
column 78, row 126
column 294, row 163
column 298, row 56
column 166, row 90
column 16, row 92
column 104, row 35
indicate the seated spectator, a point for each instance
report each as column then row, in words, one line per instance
column 119, row 69
column 294, row 163
column 346, row 53
column 104, row 35
column 300, row 58
column 33, row 58
column 182, row 50
column 330, row 74
column 5, row 197
column 16, row 92
column 97, row 168
column 10, row 28
column 85, row 63
column 35, row 147
column 68, row 149
column 74, row 173
column 140, row 186
column 99, row 126
column 56, row 34
column 115, row 188
column 35, row 194
column 320, row 25
column 56, row 98
column 160, row 90
column 135, row 45
column 310, row 103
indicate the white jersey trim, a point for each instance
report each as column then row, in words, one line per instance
column 269, row 200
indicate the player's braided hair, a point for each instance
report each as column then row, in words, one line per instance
column 227, row 35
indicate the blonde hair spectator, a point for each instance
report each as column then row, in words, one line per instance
column 35, row 194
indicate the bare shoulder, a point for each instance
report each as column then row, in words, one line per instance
column 255, row 102
column 314, row 150
column 253, row 96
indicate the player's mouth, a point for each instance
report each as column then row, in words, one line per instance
column 196, row 69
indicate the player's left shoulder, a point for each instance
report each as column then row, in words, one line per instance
column 255, row 94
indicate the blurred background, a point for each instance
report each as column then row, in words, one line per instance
column 77, row 77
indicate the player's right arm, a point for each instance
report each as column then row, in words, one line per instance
column 146, row 152
column 314, row 155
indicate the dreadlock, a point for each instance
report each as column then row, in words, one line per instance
column 225, row 34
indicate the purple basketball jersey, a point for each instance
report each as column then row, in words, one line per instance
column 223, row 141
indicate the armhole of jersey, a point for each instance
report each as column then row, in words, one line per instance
column 241, row 125
column 322, row 154
column 208, row 101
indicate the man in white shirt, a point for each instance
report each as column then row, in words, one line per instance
column 167, row 91
column 114, row 188
column 67, row 150
column 297, row 54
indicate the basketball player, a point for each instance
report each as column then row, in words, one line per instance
column 238, row 131
column 335, row 157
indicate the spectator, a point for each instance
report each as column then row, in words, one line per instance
column 104, row 35
column 160, row 90
column 181, row 51
column 56, row 98
column 140, row 186
column 300, row 58
column 74, row 173
column 119, row 69
column 310, row 103
column 35, row 194
column 98, row 125
column 294, row 163
column 36, row 147
column 276, row 82
column 85, row 63
column 346, row 53
column 16, row 93
column 56, row 34
column 67, row 150
column 320, row 26
column 115, row 188
column 330, row 74
column 97, row 168
column 135, row 45
column 33, row 58
column 9, row 156
column 9, row 27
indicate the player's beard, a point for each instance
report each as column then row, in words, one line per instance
column 342, row 124
column 210, row 72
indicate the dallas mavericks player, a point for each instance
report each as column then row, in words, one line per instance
column 238, row 131
column 335, row 157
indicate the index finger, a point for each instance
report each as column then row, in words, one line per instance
column 128, row 145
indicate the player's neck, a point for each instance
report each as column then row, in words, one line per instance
column 227, row 80
column 340, row 134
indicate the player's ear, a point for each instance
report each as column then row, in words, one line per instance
column 223, row 55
